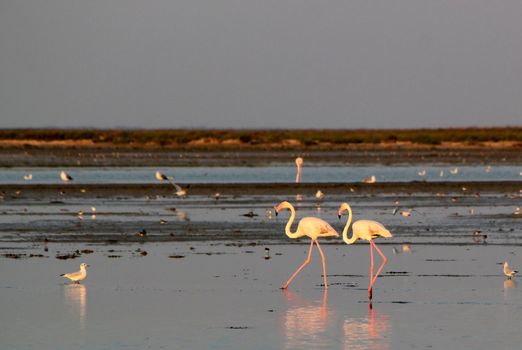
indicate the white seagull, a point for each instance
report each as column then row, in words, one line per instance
column 77, row 276
column 28, row 177
column 160, row 176
column 179, row 191
column 65, row 177
column 369, row 180
column 508, row 271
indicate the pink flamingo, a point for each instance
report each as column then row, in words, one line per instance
column 367, row 230
column 299, row 163
column 309, row 226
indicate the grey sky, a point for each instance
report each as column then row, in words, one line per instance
column 262, row 64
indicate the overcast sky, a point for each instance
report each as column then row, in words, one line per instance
column 260, row 64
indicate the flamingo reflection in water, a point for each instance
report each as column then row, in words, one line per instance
column 307, row 323
column 370, row 332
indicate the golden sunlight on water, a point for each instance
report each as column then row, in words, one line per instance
column 75, row 299
column 305, row 322
column 370, row 332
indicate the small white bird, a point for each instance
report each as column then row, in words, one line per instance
column 488, row 169
column 517, row 211
column 267, row 253
column 406, row 213
column 160, row 176
column 28, row 177
column 319, row 195
column 508, row 271
column 441, row 174
column 77, row 276
column 180, row 192
column 422, row 172
column 454, row 171
column 65, row 177
column 369, row 180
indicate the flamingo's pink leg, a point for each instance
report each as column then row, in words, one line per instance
column 324, row 263
column 306, row 262
column 384, row 260
column 371, row 271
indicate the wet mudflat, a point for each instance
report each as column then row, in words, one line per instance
column 191, row 273
column 227, row 296
column 439, row 213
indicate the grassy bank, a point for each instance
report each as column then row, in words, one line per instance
column 260, row 138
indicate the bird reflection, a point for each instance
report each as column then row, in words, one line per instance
column 370, row 332
column 182, row 215
column 509, row 283
column 305, row 322
column 75, row 298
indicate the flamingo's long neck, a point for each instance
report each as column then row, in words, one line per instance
column 345, row 231
column 288, row 232
column 298, row 175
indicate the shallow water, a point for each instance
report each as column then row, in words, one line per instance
column 264, row 174
column 228, row 297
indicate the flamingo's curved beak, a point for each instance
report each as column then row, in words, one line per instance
column 276, row 212
column 339, row 216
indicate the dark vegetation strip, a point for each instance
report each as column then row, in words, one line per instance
column 166, row 137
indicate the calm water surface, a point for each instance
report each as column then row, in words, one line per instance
column 269, row 174
column 219, row 297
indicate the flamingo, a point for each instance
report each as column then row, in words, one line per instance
column 367, row 230
column 299, row 163
column 77, row 276
column 309, row 226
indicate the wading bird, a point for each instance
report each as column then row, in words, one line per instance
column 309, row 226
column 77, row 276
column 299, row 163
column 508, row 271
column 65, row 177
column 366, row 230
column 160, row 176
column 370, row 180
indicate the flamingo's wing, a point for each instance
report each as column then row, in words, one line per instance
column 377, row 229
column 313, row 226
